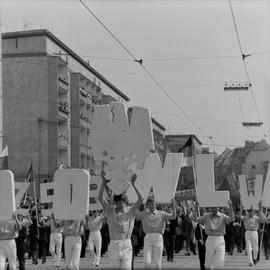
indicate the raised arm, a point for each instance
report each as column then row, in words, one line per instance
column 102, row 187
column 261, row 214
column 231, row 213
column 139, row 201
column 17, row 222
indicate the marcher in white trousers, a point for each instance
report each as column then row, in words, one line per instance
column 9, row 230
column 94, row 224
column 72, row 229
column 121, row 223
column 215, row 252
column 154, row 223
column 215, row 228
column 94, row 242
column 56, row 239
column 120, row 254
column 73, row 246
column 55, row 247
column 251, row 238
column 152, row 250
column 8, row 251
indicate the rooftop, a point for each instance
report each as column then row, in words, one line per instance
column 48, row 34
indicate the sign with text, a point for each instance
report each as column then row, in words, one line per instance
column 121, row 137
column 71, row 193
column 7, row 195
column 207, row 196
column 250, row 190
column 163, row 180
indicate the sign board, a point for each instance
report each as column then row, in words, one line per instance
column 250, row 191
column 163, row 180
column 94, row 203
column 71, row 193
column 207, row 196
column 7, row 195
column 114, row 134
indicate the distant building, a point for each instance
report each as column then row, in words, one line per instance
column 159, row 138
column 48, row 98
column 249, row 160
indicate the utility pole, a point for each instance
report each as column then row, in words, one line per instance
column 1, row 85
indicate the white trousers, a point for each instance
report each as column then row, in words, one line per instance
column 73, row 246
column 120, row 254
column 215, row 252
column 152, row 250
column 55, row 247
column 8, row 251
column 95, row 241
column 251, row 244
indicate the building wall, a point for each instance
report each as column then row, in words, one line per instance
column 25, row 100
column 31, row 71
column 255, row 162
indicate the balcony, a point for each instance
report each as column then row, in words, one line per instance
column 63, row 142
column 63, row 111
column 84, row 149
column 63, row 85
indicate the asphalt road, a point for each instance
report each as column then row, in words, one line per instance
column 237, row 261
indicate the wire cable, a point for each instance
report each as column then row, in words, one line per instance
column 245, row 65
column 109, row 31
column 140, row 61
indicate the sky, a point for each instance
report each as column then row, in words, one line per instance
column 190, row 47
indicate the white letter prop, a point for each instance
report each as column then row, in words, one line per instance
column 71, row 193
column 112, row 133
column 94, row 203
column 46, row 196
column 207, row 196
column 266, row 189
column 250, row 191
column 7, row 195
column 163, row 180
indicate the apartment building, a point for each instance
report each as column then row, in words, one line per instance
column 48, row 98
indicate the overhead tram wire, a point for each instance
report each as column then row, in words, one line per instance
column 244, row 56
column 140, row 62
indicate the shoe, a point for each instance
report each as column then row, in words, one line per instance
column 187, row 254
column 251, row 264
column 97, row 264
column 255, row 262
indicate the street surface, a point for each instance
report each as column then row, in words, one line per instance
column 238, row 261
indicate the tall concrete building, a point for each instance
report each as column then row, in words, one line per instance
column 48, row 98
column 49, row 94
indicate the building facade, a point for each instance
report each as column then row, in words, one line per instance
column 48, row 98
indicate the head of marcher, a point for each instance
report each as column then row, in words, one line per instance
column 251, row 211
column 95, row 214
column 214, row 211
column 120, row 202
column 151, row 204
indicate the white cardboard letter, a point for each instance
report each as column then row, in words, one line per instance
column 206, row 194
column 71, row 193
column 7, row 195
column 163, row 180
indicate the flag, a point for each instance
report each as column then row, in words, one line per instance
column 29, row 179
column 4, row 159
column 233, row 183
column 30, row 176
column 188, row 153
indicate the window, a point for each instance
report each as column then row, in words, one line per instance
column 253, row 167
